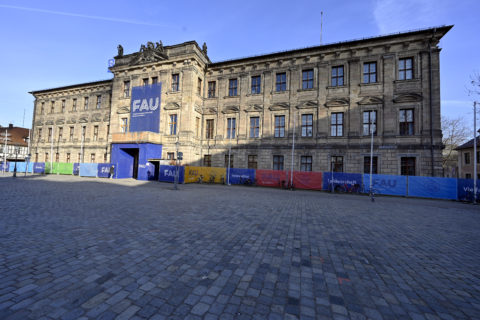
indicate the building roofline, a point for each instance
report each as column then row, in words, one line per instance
column 72, row 86
column 444, row 29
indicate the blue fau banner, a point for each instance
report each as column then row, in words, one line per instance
column 342, row 182
column 145, row 108
column 167, row 174
column 465, row 189
column 430, row 187
column 241, row 176
column 39, row 167
column 386, row 184
column 103, row 170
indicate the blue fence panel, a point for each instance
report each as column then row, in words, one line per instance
column 76, row 168
column 431, row 187
column 20, row 166
column 386, row 184
column 39, row 167
column 465, row 189
column 88, row 169
column 104, row 170
column 241, row 176
column 344, row 182
column 167, row 174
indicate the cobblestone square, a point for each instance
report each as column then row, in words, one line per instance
column 85, row 248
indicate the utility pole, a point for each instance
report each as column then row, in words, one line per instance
column 474, row 152
column 293, row 150
column 51, row 149
column 229, row 149
column 371, row 158
column 176, row 165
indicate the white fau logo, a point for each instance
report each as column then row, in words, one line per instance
column 140, row 105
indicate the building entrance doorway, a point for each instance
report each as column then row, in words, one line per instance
column 133, row 152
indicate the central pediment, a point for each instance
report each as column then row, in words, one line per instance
column 149, row 53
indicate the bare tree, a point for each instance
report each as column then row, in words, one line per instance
column 455, row 132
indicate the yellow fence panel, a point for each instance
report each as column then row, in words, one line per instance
column 205, row 174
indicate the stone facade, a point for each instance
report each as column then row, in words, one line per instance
column 325, row 96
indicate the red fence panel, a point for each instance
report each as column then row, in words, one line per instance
column 307, row 180
column 270, row 178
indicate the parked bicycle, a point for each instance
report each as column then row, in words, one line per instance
column 200, row 179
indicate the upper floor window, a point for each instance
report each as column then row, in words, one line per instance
column 254, row 127
column 199, row 86
column 307, row 125
column 307, row 79
column 256, row 84
column 370, row 72
column 337, row 76
column 406, row 122
column 231, row 128
column 85, row 106
column 95, row 133
column 197, row 127
column 71, row 133
column 175, row 82
column 336, row 125
column 232, row 87
column 126, row 89
column 466, row 156
column 63, row 106
column 306, row 163
column 42, row 108
column 211, row 89
column 145, row 82
column 172, row 125
column 281, row 82
column 39, row 134
column 405, row 69
column 209, row 129
column 124, row 125
column 60, row 134
column 369, row 122
column 49, row 134
column 52, row 107
column 84, row 130
column 279, row 127
column 154, row 80
column 99, row 102
column 74, row 105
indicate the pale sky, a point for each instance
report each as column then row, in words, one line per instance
column 47, row 44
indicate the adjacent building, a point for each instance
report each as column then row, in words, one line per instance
column 14, row 143
column 328, row 98
column 466, row 160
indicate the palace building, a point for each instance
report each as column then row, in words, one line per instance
column 327, row 98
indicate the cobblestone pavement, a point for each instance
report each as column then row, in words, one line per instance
column 78, row 248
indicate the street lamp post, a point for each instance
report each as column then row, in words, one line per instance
column 474, row 152
column 16, row 158
column 371, row 159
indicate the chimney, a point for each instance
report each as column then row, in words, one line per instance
column 10, row 126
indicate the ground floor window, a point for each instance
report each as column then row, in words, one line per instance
column 68, row 157
column 408, row 166
column 231, row 161
column 92, row 158
column 252, row 161
column 306, row 163
column 366, row 165
column 207, row 160
column 468, row 176
column 337, row 164
column 277, row 162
